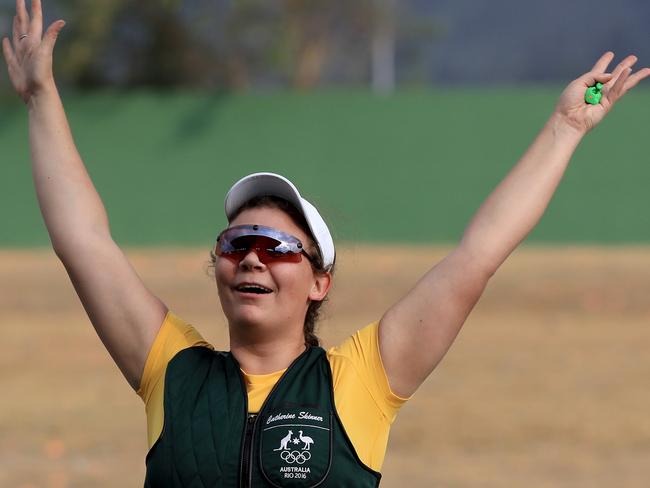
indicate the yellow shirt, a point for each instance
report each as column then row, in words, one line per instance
column 363, row 398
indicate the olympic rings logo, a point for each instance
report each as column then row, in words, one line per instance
column 299, row 457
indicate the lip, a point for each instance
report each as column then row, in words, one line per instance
column 252, row 296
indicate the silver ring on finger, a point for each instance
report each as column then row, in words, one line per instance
column 22, row 36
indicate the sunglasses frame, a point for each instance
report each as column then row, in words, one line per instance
column 290, row 244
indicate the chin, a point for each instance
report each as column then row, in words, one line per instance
column 248, row 316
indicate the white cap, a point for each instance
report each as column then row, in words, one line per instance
column 271, row 184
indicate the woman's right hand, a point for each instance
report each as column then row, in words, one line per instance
column 29, row 54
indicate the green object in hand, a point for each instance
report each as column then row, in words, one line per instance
column 594, row 94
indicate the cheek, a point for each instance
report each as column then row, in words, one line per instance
column 297, row 282
column 224, row 271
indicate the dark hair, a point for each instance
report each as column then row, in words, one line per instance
column 314, row 308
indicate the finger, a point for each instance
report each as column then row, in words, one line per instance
column 23, row 16
column 623, row 65
column 9, row 55
column 590, row 79
column 16, row 32
column 615, row 91
column 603, row 62
column 49, row 39
column 10, row 58
column 36, row 25
column 632, row 80
column 13, row 68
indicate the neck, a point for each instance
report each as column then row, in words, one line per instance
column 266, row 354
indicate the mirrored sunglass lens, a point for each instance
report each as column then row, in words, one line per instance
column 243, row 243
column 267, row 248
column 267, row 255
column 246, row 243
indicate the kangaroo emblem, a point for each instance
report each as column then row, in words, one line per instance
column 306, row 439
column 285, row 440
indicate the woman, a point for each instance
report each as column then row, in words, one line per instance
column 276, row 410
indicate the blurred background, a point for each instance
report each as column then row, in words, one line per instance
column 396, row 119
column 364, row 103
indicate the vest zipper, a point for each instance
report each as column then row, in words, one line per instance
column 246, row 463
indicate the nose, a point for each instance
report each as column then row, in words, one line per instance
column 251, row 261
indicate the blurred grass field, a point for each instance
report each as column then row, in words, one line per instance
column 408, row 168
column 546, row 386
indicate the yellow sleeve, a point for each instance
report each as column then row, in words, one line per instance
column 364, row 401
column 174, row 335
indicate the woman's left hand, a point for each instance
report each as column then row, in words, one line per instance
column 583, row 116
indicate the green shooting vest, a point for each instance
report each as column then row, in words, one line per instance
column 210, row 440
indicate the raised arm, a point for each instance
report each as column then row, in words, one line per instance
column 124, row 313
column 417, row 331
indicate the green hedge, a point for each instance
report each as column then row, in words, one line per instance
column 408, row 168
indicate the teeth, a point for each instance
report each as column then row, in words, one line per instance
column 253, row 289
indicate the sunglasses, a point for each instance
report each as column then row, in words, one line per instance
column 270, row 245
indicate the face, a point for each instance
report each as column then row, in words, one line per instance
column 292, row 285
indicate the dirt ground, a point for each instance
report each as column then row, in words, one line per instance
column 546, row 386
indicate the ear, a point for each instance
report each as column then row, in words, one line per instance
column 321, row 286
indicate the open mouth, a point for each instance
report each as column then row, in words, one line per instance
column 256, row 289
